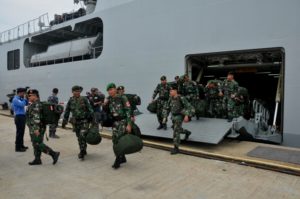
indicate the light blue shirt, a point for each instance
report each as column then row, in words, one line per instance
column 19, row 104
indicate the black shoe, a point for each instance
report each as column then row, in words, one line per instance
column 55, row 156
column 165, row 126
column 55, row 136
column 35, row 162
column 81, row 155
column 123, row 159
column 20, row 150
column 160, row 127
column 174, row 151
column 24, row 147
column 117, row 163
column 187, row 135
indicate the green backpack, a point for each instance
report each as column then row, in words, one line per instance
column 50, row 113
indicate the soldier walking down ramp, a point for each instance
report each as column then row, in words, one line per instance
column 54, row 100
column 37, row 129
column 180, row 110
column 229, row 90
column 162, row 90
column 190, row 91
column 119, row 108
column 82, row 113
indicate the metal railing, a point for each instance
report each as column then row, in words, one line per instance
column 30, row 27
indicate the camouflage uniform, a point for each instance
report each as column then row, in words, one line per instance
column 163, row 92
column 215, row 102
column 34, row 123
column 82, row 113
column 119, row 107
column 242, row 101
column 179, row 107
column 191, row 93
column 230, row 89
column 52, row 127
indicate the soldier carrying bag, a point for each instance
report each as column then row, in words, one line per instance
column 50, row 113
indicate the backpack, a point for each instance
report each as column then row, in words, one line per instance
column 50, row 113
column 134, row 100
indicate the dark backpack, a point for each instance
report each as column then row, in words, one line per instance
column 50, row 113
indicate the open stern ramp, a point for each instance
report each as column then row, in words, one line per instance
column 205, row 130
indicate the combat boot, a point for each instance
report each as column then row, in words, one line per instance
column 36, row 161
column 54, row 156
column 117, row 163
column 165, row 127
column 123, row 159
column 175, row 150
column 160, row 126
column 187, row 135
column 81, row 155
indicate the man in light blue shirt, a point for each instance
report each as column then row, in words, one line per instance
column 19, row 104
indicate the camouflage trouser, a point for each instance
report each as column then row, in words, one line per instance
column 215, row 108
column 192, row 99
column 80, row 128
column 230, row 107
column 177, row 129
column 119, row 129
column 38, row 144
column 160, row 105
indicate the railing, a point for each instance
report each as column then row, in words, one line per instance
column 93, row 54
column 33, row 26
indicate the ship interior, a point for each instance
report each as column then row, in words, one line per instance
column 260, row 71
column 84, row 41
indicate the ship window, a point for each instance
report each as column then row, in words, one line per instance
column 13, row 59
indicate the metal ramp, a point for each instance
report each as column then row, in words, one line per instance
column 205, row 130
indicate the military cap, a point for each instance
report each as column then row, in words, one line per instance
column 120, row 88
column 162, row 78
column 110, row 85
column 174, row 87
column 94, row 89
column 33, row 92
column 19, row 90
column 77, row 88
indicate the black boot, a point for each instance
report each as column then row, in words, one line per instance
column 187, row 134
column 123, row 159
column 55, row 136
column 165, row 126
column 36, row 161
column 175, row 150
column 54, row 156
column 24, row 147
column 117, row 163
column 160, row 126
column 81, row 155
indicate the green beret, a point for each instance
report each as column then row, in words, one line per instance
column 110, row 85
column 120, row 88
column 162, row 78
column 77, row 88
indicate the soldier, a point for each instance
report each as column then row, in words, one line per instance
column 53, row 99
column 214, row 99
column 82, row 113
column 37, row 129
column 133, row 99
column 96, row 100
column 181, row 110
column 242, row 102
column 229, row 91
column 163, row 90
column 190, row 91
column 119, row 107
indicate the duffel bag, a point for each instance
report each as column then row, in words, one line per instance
column 93, row 136
column 128, row 144
column 152, row 106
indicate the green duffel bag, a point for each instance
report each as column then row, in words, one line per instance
column 152, row 107
column 93, row 136
column 136, row 130
column 128, row 144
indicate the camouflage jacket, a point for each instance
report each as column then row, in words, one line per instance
column 190, row 88
column 33, row 117
column 229, row 88
column 178, row 106
column 163, row 92
column 119, row 108
column 80, row 108
column 53, row 99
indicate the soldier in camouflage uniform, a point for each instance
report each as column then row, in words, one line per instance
column 119, row 108
column 229, row 91
column 180, row 110
column 163, row 90
column 190, row 91
column 54, row 100
column 37, row 129
column 82, row 113
column 242, row 101
column 214, row 99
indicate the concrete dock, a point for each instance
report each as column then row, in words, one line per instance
column 152, row 173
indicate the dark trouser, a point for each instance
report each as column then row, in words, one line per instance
column 52, row 129
column 20, row 121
